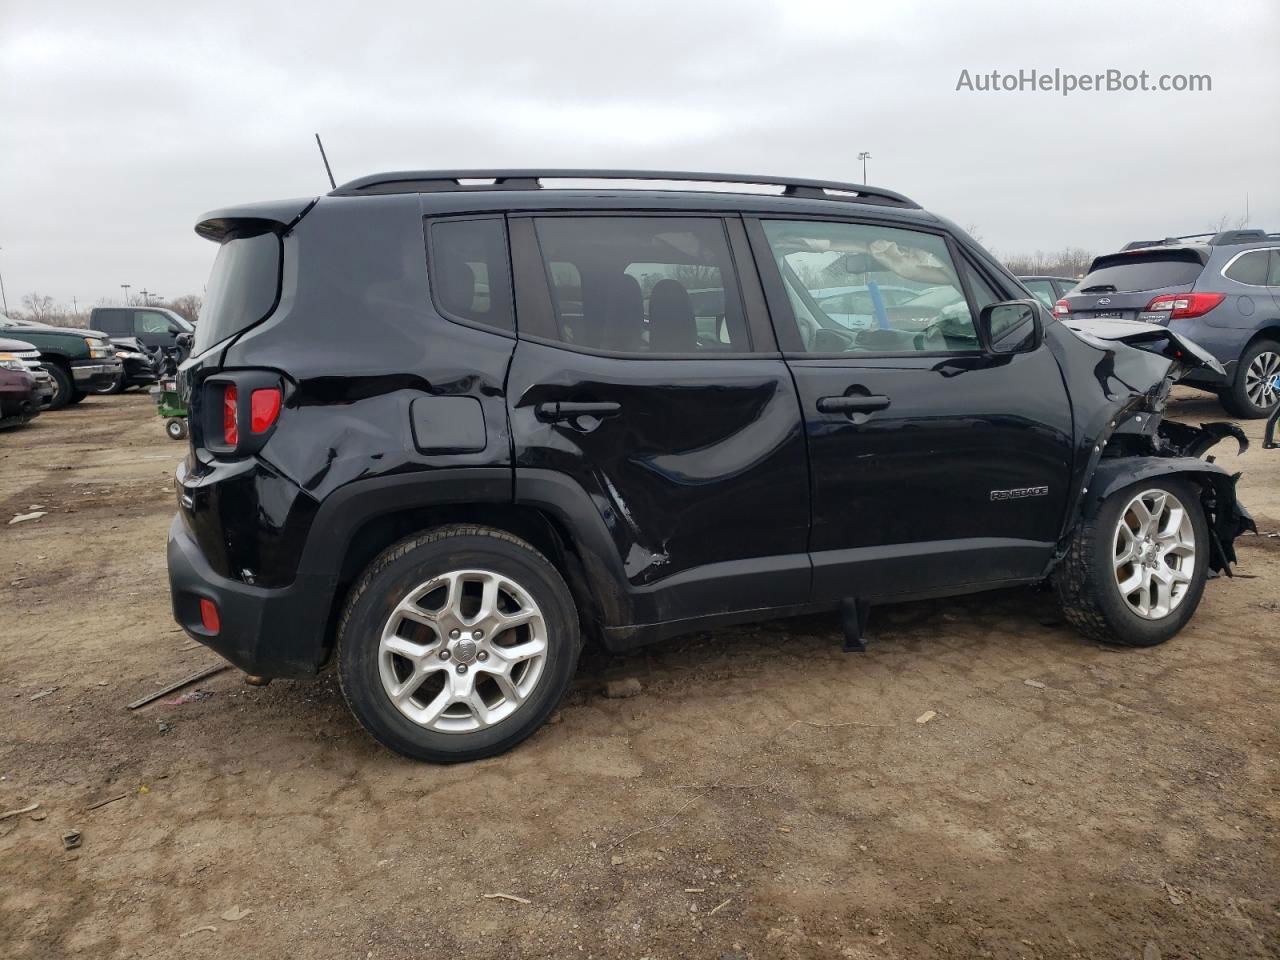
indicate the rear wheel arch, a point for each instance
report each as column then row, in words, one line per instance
column 540, row 529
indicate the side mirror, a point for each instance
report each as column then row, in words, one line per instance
column 1014, row 326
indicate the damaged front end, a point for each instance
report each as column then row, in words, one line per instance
column 1119, row 377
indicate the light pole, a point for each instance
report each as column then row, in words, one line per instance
column 146, row 297
column 864, row 157
column 126, row 287
column 3, row 298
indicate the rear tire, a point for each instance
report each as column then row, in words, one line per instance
column 429, row 656
column 176, row 428
column 1255, row 391
column 116, row 388
column 76, row 396
column 1092, row 577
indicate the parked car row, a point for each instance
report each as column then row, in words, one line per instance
column 45, row 367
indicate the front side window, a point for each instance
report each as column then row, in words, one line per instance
column 858, row 288
column 1043, row 290
column 149, row 321
column 643, row 284
column 470, row 279
column 1250, row 268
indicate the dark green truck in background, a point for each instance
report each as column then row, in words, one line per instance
column 79, row 361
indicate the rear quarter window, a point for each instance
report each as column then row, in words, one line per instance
column 469, row 271
column 1129, row 273
column 242, row 289
column 1250, row 268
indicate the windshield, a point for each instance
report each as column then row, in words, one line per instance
column 1129, row 273
column 242, row 288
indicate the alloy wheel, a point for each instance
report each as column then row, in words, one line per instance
column 1154, row 553
column 462, row 651
column 1262, row 380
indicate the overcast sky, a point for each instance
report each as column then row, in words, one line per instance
column 121, row 122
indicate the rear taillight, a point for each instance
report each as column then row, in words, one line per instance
column 264, row 407
column 1061, row 308
column 1186, row 304
column 239, row 412
column 230, row 415
column 209, row 615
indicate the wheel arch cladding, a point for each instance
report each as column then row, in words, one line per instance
column 1228, row 519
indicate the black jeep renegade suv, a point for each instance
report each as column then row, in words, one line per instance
column 443, row 424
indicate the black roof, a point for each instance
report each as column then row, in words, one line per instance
column 435, row 181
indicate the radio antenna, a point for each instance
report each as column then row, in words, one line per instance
column 325, row 158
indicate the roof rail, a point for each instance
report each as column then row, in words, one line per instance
column 1228, row 237
column 433, row 181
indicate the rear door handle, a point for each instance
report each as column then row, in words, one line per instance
column 852, row 404
column 565, row 410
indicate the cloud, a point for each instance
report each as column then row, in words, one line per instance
column 121, row 126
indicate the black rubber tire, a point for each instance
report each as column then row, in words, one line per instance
column 176, row 428
column 1085, row 579
column 76, row 396
column 1233, row 398
column 400, row 568
column 63, row 386
column 117, row 387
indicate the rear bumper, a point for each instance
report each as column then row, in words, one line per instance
column 265, row 632
column 1208, row 379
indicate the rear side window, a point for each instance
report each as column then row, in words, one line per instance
column 1273, row 275
column 242, row 288
column 1250, row 268
column 1129, row 272
column 114, row 322
column 470, row 276
column 643, row 284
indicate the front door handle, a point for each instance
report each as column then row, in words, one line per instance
column 566, row 410
column 857, row 403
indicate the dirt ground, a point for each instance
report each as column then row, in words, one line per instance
column 764, row 796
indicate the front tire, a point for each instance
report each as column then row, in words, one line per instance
column 1134, row 573
column 1256, row 389
column 176, row 428
column 63, row 386
column 457, row 644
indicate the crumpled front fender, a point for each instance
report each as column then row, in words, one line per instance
column 1228, row 519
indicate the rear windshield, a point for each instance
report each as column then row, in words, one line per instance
column 242, row 288
column 1129, row 272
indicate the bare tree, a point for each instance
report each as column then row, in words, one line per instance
column 1228, row 222
column 1067, row 262
column 187, row 306
column 39, row 307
